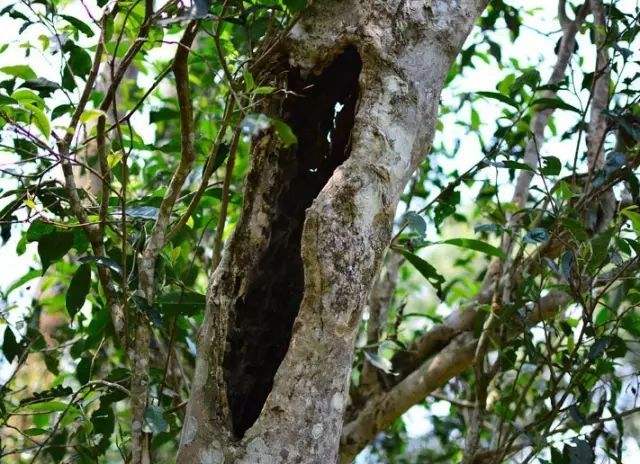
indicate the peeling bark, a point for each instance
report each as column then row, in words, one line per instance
column 284, row 303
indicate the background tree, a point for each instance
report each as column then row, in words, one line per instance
column 251, row 275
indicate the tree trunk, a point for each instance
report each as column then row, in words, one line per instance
column 275, row 349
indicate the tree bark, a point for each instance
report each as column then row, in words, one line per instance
column 276, row 346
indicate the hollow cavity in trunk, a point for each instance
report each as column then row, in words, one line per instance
column 320, row 110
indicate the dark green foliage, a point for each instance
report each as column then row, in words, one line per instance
column 78, row 289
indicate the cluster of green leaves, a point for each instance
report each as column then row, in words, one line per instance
column 77, row 408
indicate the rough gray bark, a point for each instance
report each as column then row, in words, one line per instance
column 330, row 216
column 600, row 93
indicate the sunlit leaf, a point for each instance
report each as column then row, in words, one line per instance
column 285, row 133
column 22, row 71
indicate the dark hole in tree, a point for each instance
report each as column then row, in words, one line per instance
column 321, row 114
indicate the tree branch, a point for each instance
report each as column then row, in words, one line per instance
column 540, row 119
column 379, row 301
column 456, row 357
column 140, row 354
column 381, row 410
column 222, row 218
column 600, row 91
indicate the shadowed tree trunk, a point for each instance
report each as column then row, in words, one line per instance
column 275, row 350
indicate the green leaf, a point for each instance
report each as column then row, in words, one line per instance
column 27, row 96
column 46, row 407
column 221, row 155
column 631, row 323
column 264, row 90
column 79, row 60
column 68, row 82
column 83, row 370
column 415, row 222
column 60, row 110
column 38, row 229
column 500, row 97
column 54, row 246
column 30, row 275
column 516, row 165
column 536, row 235
column 529, row 77
column 90, row 115
column 552, row 166
column 557, row 457
column 57, row 391
column 477, row 245
column 103, row 422
column 163, row 114
column 581, row 453
column 599, row 250
column 295, row 5
column 4, row 100
column 427, row 270
column 43, row 86
column 22, row 71
column 78, row 289
column 285, row 133
column 576, row 228
column 103, row 261
column 34, row 432
column 10, row 346
column 113, row 158
column 475, row 119
column 154, row 419
column 79, row 25
column 554, row 103
column 634, row 217
column 52, row 362
column 40, row 119
column 604, row 316
column 249, row 82
column 187, row 303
